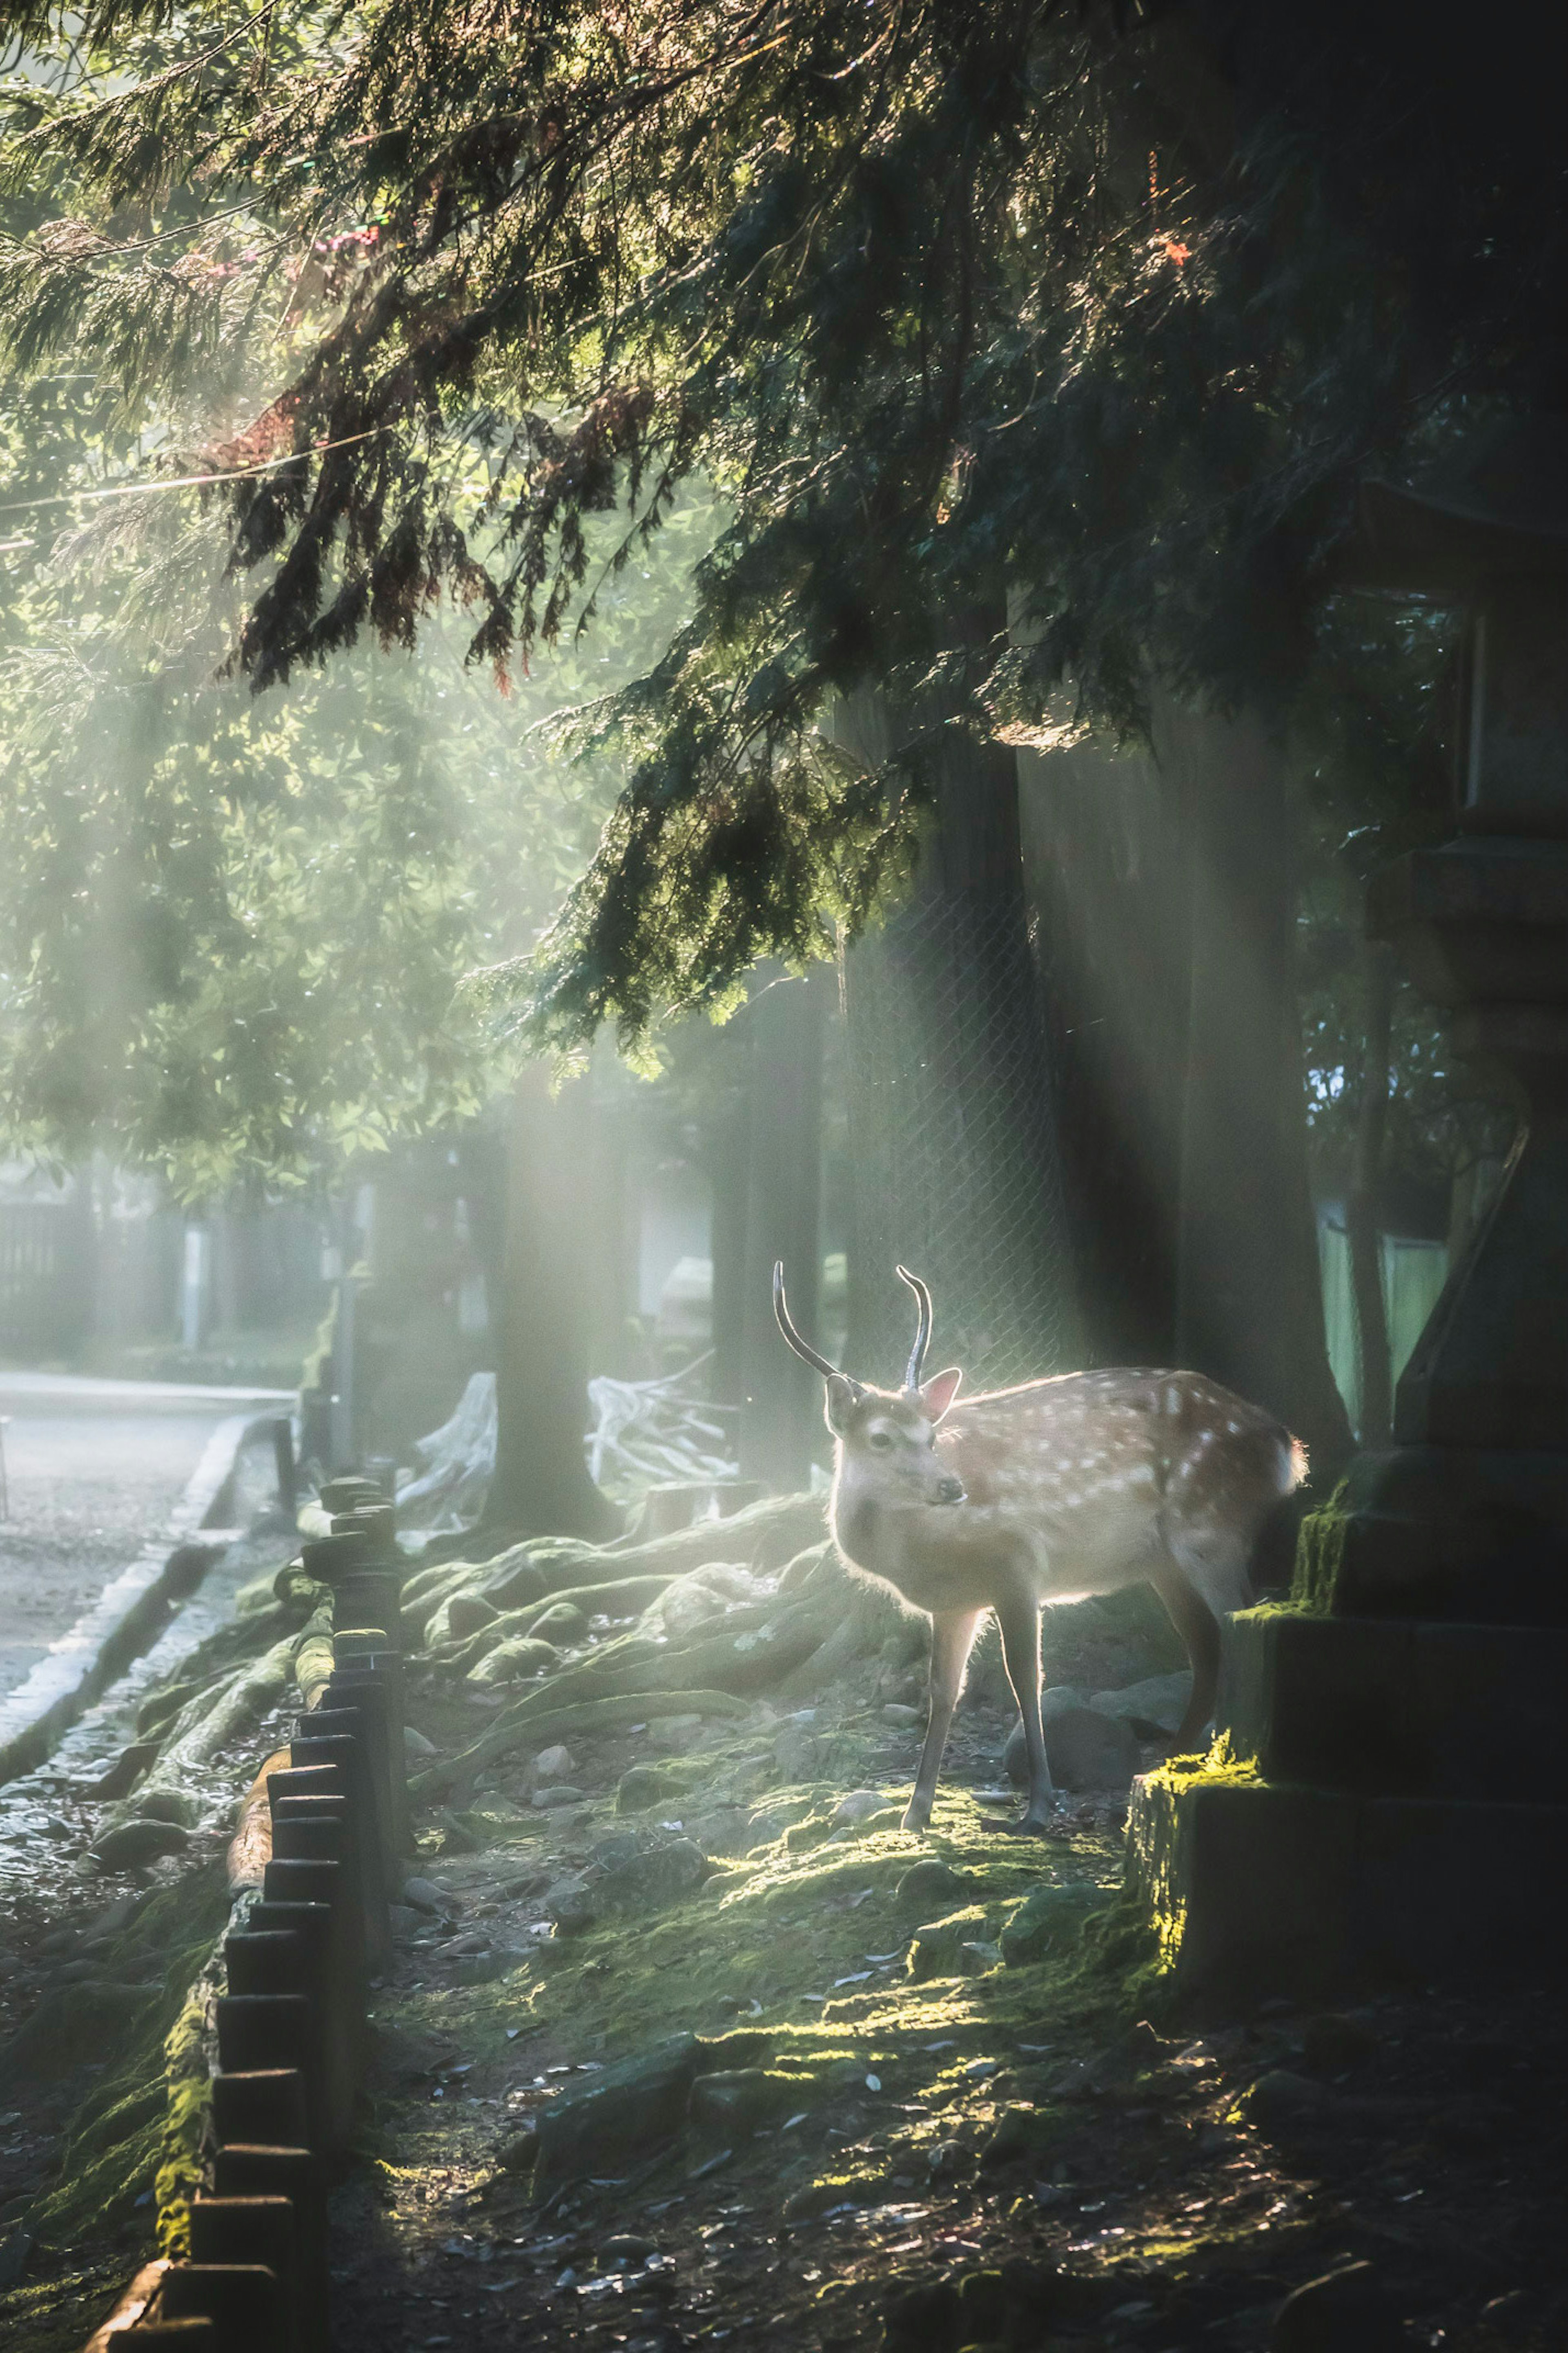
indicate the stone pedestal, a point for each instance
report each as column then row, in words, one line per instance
column 1390, row 1798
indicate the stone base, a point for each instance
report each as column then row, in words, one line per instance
column 1399, row 1706
column 1267, row 1888
column 1452, row 1532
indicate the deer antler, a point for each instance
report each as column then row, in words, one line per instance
column 802, row 1347
column 922, row 1328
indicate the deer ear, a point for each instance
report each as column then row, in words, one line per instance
column 940, row 1391
column 840, row 1403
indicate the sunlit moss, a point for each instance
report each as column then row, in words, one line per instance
column 1319, row 1555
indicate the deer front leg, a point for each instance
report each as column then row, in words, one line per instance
column 1019, row 1619
column 951, row 1639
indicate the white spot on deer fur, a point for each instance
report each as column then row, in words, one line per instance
column 1234, row 1428
column 1172, row 1399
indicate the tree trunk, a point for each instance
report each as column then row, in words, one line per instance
column 781, row 1398
column 952, row 1114
column 728, row 1176
column 1250, row 1303
column 541, row 1484
column 1362, row 1231
column 1103, row 856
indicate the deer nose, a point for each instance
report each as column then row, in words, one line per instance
column 950, row 1490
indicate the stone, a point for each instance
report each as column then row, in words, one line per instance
column 764, row 1829
column 925, row 2319
column 16, row 2248
column 484, row 1968
column 1346, row 2311
column 796, row 1753
column 935, row 1950
column 1050, row 1920
column 424, row 1896
column 570, row 1905
column 929, row 1883
column 1020, row 2134
column 559, row 1793
column 898, row 1711
column 402, row 1921
column 168, row 1806
column 514, row 1662
column 949, row 2163
column 552, row 1764
column 1159, row 1702
column 674, row 1733
column 627, row 2108
column 642, row 1787
column 725, row 1832
column 661, row 1875
column 738, row 2100
column 416, row 1745
column 561, row 1624
column 457, row 1837
column 1083, row 1749
column 624, row 2249
column 1332, row 2043
column 1279, row 2100
column 130, row 1846
column 858, row 1804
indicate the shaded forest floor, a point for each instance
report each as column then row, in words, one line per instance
column 944, row 2098
column 1042, row 2153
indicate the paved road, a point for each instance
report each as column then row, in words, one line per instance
column 93, row 1468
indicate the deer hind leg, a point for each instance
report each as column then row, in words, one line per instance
column 951, row 1639
column 1198, row 1626
column 1018, row 1621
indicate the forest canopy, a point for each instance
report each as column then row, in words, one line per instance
column 1035, row 352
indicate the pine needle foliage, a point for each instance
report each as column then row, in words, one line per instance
column 1104, row 310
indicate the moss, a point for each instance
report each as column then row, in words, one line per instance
column 1320, row 1556
column 116, row 2139
column 1220, row 1764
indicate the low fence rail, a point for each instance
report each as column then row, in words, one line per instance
column 281, row 2010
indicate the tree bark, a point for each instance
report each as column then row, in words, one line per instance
column 1249, row 1303
column 952, row 1110
column 1103, row 861
column 1362, row 1225
column 781, row 1398
column 541, row 1484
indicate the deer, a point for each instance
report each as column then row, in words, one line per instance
column 1018, row 1499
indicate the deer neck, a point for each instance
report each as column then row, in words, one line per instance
column 871, row 1529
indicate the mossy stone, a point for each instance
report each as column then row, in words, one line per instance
column 929, row 1884
column 561, row 1622
column 640, row 1788
column 513, row 1662
column 129, row 1846
column 937, row 1951
column 1050, row 1920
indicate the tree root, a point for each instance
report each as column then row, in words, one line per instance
column 544, row 1724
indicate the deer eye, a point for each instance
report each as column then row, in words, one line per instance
column 880, row 1440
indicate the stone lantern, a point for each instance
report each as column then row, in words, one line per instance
column 1392, row 1799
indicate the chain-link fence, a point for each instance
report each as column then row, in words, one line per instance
column 953, row 1139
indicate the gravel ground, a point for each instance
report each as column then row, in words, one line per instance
column 88, row 1490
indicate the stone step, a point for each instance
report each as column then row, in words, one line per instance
column 1258, row 1887
column 1412, row 1707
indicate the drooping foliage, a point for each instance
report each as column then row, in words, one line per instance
column 1104, row 311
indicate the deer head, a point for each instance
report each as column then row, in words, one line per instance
column 886, row 1438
